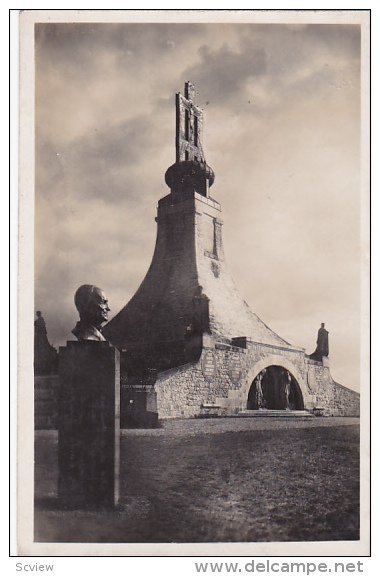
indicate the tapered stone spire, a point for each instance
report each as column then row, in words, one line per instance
column 192, row 345
column 187, row 294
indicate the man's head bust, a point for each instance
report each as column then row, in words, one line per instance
column 92, row 305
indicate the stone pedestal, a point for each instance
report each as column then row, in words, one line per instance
column 46, row 390
column 89, row 424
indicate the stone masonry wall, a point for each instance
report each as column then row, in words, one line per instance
column 333, row 398
column 219, row 382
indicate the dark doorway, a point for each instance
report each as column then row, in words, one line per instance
column 275, row 388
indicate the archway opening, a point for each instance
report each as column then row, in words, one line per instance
column 275, row 388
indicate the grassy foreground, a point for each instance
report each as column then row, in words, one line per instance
column 286, row 482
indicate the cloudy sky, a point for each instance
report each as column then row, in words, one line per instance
column 281, row 131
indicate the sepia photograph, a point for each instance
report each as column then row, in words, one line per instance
column 194, row 268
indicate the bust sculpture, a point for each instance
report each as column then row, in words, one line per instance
column 92, row 305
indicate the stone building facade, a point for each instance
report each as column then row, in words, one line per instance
column 187, row 334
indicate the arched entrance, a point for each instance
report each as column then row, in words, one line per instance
column 275, row 388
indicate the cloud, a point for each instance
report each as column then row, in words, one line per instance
column 223, row 73
column 73, row 41
column 270, row 64
column 282, row 125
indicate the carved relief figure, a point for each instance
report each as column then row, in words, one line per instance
column 259, row 391
column 287, row 384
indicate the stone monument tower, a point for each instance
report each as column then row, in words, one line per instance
column 187, row 323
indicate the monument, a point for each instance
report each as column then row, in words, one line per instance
column 45, row 355
column 45, row 377
column 322, row 349
column 187, row 323
column 89, row 409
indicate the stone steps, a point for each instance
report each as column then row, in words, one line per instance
column 275, row 414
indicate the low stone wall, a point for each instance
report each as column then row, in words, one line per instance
column 332, row 398
column 181, row 391
column 219, row 383
column 337, row 400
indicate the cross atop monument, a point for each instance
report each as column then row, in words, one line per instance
column 189, row 120
column 190, row 172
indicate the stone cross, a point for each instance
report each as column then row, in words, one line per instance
column 189, row 120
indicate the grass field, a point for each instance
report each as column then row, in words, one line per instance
column 225, row 480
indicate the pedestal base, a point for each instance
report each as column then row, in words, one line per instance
column 89, row 424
